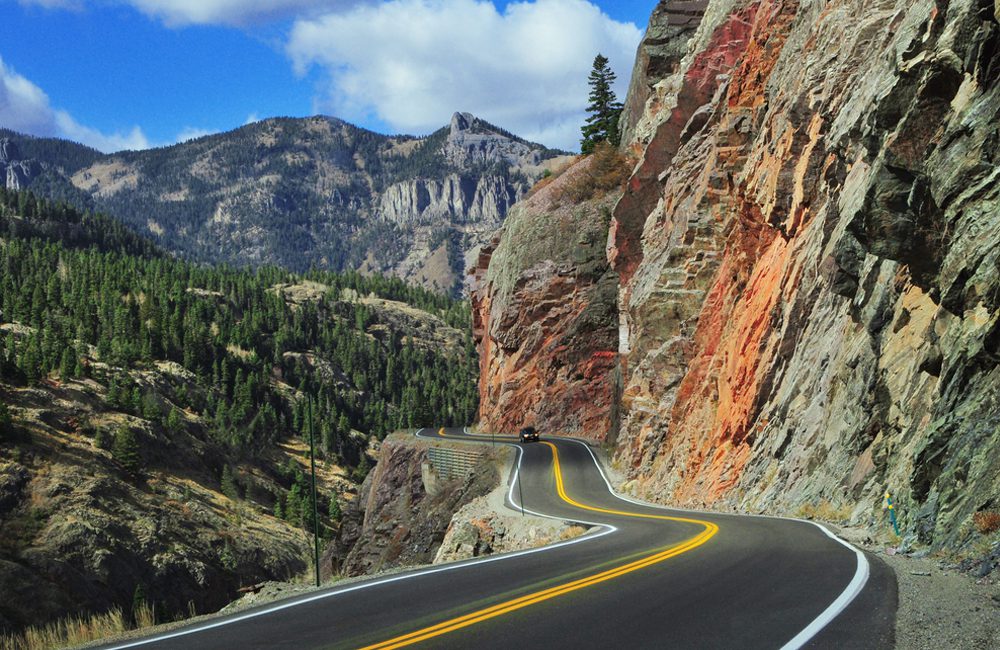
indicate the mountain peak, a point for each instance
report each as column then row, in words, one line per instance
column 462, row 122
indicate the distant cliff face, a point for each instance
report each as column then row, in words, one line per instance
column 544, row 315
column 16, row 172
column 302, row 192
column 808, row 255
column 808, row 260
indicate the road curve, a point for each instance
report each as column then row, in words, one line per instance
column 644, row 577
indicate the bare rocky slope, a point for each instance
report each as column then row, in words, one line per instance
column 403, row 509
column 300, row 193
column 808, row 261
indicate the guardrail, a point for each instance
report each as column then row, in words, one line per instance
column 450, row 462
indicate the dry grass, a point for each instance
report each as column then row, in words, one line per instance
column 987, row 521
column 551, row 175
column 571, row 532
column 608, row 170
column 824, row 511
column 77, row 630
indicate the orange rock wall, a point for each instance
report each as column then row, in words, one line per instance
column 810, row 180
column 544, row 318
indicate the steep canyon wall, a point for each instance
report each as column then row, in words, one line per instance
column 808, row 261
column 808, row 255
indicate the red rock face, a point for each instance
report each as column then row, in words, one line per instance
column 796, row 259
column 807, row 256
column 545, row 320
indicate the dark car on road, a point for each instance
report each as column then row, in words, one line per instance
column 528, row 434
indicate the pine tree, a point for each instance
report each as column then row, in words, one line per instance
column 604, row 108
column 125, row 450
column 229, row 487
column 5, row 422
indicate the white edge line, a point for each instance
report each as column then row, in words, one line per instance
column 850, row 592
column 365, row 585
column 839, row 604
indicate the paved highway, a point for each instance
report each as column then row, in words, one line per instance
column 643, row 577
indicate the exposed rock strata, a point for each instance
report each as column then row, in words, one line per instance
column 402, row 511
column 809, row 263
column 808, row 255
column 544, row 316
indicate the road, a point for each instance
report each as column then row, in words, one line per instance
column 643, row 577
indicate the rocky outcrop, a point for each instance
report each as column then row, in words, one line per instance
column 403, row 510
column 544, row 315
column 16, row 172
column 807, row 261
column 808, row 264
column 657, row 61
column 452, row 200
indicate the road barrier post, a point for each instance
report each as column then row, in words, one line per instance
column 892, row 512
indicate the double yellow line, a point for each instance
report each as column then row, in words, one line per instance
column 506, row 607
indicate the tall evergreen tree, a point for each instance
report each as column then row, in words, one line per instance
column 604, row 108
column 125, row 450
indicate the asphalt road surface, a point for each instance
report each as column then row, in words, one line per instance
column 643, row 577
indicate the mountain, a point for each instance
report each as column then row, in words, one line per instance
column 301, row 193
column 154, row 413
column 805, row 262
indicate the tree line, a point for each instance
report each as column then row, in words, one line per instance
column 102, row 303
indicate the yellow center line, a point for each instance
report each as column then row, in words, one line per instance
column 517, row 603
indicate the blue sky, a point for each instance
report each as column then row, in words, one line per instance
column 137, row 73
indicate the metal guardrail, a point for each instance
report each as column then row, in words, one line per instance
column 450, row 463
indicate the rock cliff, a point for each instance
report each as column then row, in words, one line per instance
column 544, row 315
column 808, row 259
column 403, row 510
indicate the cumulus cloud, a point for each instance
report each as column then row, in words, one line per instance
column 411, row 63
column 176, row 13
column 193, row 133
column 26, row 108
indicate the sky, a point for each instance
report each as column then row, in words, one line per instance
column 135, row 74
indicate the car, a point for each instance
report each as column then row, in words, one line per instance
column 528, row 434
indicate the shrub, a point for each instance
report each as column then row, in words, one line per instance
column 608, row 171
column 6, row 425
column 986, row 521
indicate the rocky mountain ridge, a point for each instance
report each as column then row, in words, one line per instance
column 300, row 193
column 806, row 254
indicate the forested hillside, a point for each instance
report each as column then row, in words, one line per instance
column 184, row 384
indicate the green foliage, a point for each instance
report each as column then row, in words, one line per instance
column 103, row 439
column 227, row 557
column 228, row 483
column 135, row 310
column 139, row 598
column 6, row 424
column 125, row 450
column 174, row 423
column 334, row 510
column 604, row 108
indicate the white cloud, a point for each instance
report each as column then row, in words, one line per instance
column 177, row 13
column 193, row 133
column 411, row 63
column 25, row 107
